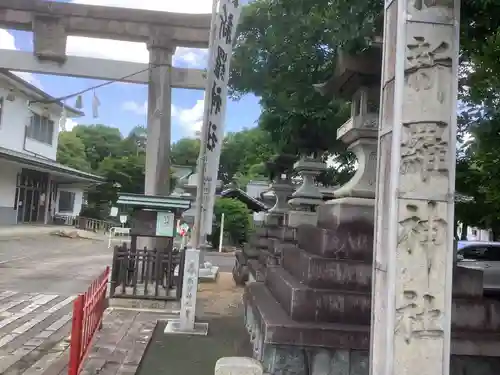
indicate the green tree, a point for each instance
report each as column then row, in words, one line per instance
column 71, row 151
column 243, row 154
column 100, row 141
column 185, row 152
column 236, row 220
column 283, row 48
column 135, row 141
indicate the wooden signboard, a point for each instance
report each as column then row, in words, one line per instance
column 149, row 223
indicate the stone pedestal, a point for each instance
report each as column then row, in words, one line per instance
column 311, row 313
column 318, row 297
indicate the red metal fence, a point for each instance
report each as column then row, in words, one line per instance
column 88, row 311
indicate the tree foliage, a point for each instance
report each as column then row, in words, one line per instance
column 71, row 151
column 479, row 159
column 236, row 221
column 185, row 152
column 100, row 141
column 243, row 155
column 284, row 48
column 102, row 150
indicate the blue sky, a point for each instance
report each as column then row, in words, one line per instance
column 124, row 105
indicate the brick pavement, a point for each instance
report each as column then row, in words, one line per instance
column 34, row 337
column 120, row 345
column 33, row 331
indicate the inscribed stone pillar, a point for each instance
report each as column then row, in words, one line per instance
column 413, row 262
column 159, row 118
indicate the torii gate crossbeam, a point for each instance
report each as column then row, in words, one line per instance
column 52, row 22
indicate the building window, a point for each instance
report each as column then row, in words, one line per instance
column 41, row 129
column 66, row 201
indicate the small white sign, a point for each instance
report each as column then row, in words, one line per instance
column 165, row 224
column 114, row 212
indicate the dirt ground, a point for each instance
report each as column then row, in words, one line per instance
column 219, row 298
column 219, row 304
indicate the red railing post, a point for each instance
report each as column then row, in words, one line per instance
column 76, row 336
column 88, row 313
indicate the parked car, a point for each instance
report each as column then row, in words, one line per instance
column 484, row 256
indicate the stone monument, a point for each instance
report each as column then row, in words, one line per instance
column 412, row 305
column 311, row 313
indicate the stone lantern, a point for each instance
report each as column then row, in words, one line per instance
column 357, row 78
column 280, row 169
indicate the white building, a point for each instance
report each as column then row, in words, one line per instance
column 476, row 234
column 33, row 186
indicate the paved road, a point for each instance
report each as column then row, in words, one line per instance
column 39, row 278
column 225, row 262
column 49, row 264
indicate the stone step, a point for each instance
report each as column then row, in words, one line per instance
column 467, row 282
column 320, row 272
column 258, row 242
column 303, row 303
column 476, row 314
column 347, row 241
column 278, row 328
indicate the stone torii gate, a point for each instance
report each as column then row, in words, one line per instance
column 52, row 22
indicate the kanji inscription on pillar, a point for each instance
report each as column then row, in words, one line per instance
column 414, row 246
column 421, row 235
column 441, row 10
column 424, row 150
column 417, row 317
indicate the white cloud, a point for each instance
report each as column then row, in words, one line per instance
column 190, row 119
column 142, row 109
column 7, row 41
column 137, row 52
column 139, row 109
column 70, row 124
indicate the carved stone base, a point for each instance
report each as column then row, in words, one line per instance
column 294, row 360
column 285, row 346
column 347, row 209
column 296, row 218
